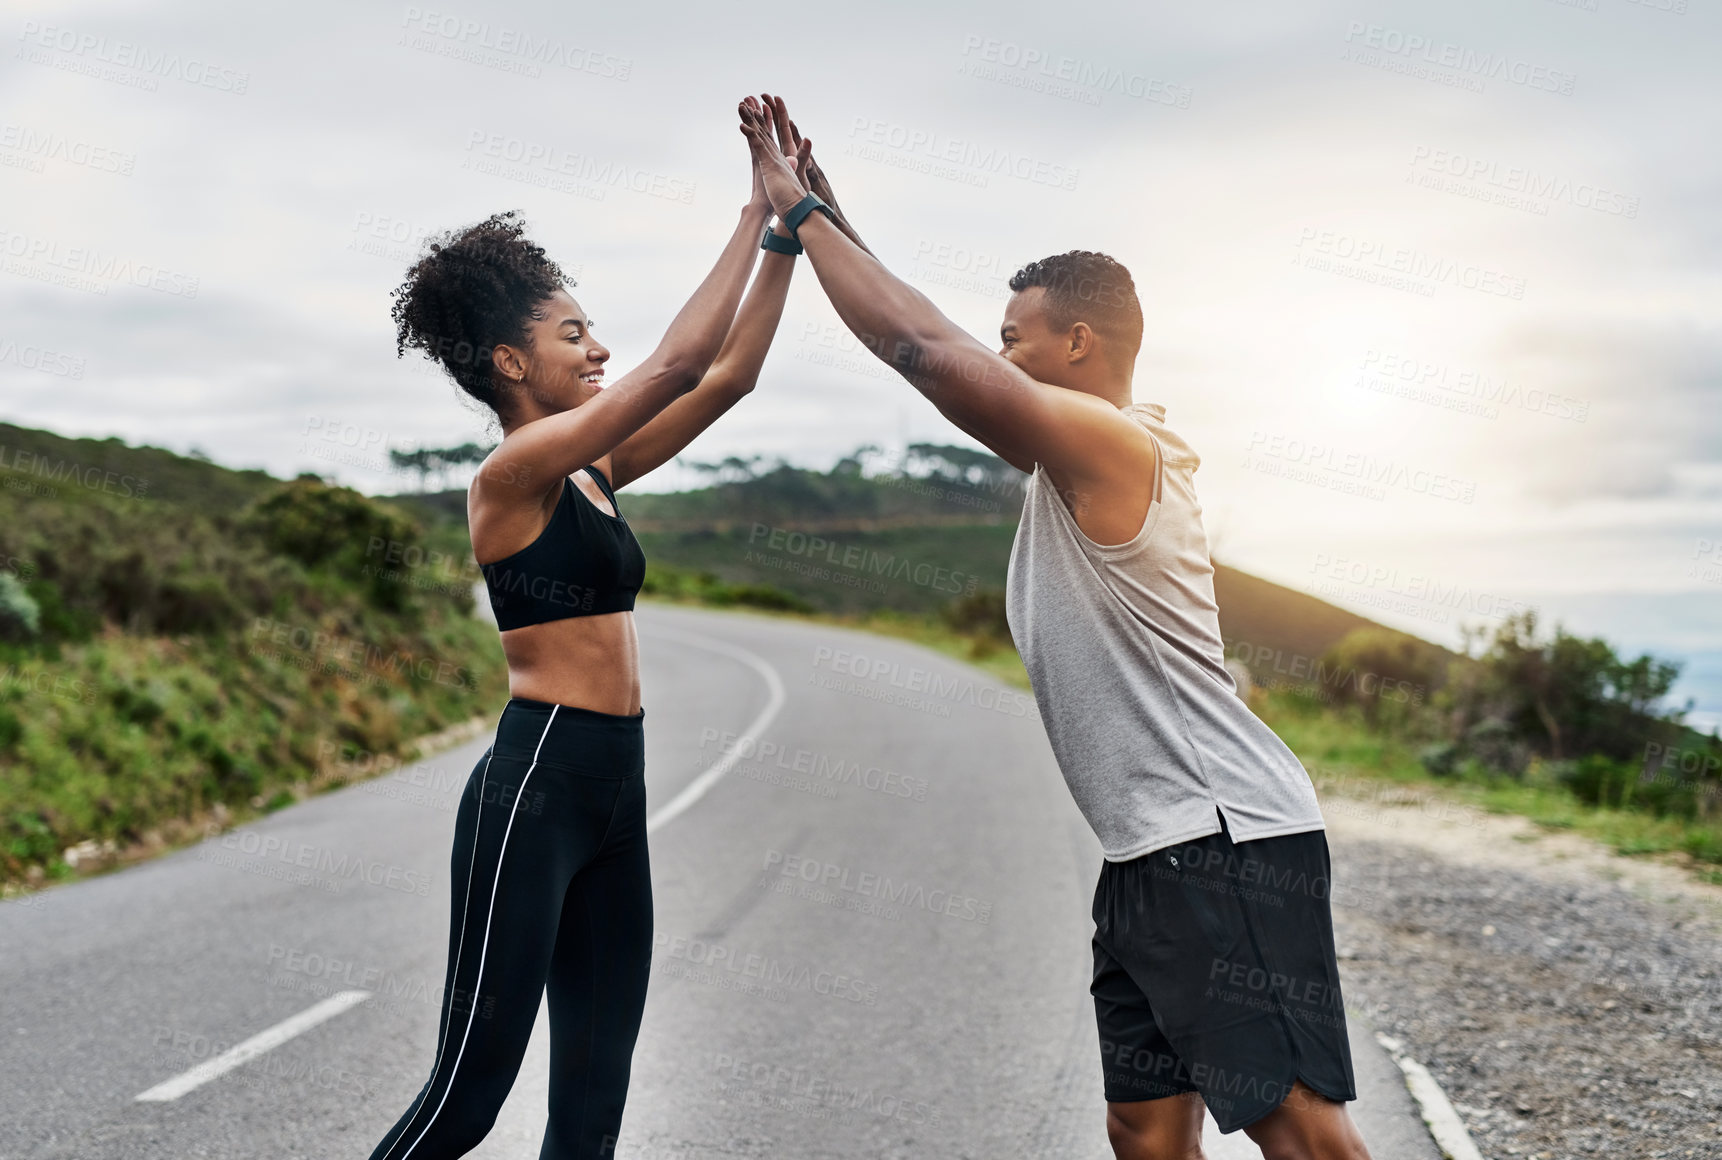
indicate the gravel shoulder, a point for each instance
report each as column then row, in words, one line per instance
column 1568, row 999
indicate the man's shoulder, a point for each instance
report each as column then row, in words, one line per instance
column 1151, row 417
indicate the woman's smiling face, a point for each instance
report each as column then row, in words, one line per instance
column 564, row 364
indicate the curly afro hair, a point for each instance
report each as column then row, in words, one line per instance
column 473, row 289
column 1087, row 286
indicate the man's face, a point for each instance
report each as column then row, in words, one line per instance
column 1027, row 341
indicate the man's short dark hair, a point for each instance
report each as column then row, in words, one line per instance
column 1085, row 286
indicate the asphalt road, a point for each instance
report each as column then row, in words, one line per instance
column 787, row 1018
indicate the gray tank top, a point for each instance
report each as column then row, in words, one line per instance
column 1122, row 646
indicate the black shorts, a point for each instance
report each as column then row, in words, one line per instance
column 1214, row 972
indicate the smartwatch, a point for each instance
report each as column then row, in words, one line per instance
column 798, row 213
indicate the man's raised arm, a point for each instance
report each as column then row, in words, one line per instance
column 1023, row 421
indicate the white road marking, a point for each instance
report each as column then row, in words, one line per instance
column 1444, row 1123
column 696, row 789
column 240, row 1053
column 263, row 1041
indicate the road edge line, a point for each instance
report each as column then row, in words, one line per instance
column 1444, row 1124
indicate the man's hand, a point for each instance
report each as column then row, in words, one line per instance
column 777, row 171
column 812, row 176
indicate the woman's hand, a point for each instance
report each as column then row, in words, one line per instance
column 777, row 172
column 759, row 199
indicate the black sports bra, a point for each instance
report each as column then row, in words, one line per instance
column 583, row 563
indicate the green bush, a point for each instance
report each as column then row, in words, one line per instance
column 670, row 583
column 336, row 529
column 1440, row 759
column 1386, row 674
column 980, row 613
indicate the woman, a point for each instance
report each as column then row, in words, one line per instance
column 551, row 883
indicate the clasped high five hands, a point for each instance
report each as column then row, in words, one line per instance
column 784, row 167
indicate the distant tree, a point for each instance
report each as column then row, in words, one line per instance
column 961, row 465
column 734, row 469
column 413, row 461
column 1567, row 696
column 439, row 461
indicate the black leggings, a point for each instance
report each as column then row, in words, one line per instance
column 551, row 891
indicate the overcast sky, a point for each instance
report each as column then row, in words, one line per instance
column 1432, row 288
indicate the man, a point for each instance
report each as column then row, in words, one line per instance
column 1215, row 977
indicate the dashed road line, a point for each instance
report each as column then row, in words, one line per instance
column 209, row 1069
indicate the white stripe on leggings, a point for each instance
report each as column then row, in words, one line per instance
column 459, row 946
column 478, row 982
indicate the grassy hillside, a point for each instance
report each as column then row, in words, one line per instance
column 42, row 459
column 177, row 638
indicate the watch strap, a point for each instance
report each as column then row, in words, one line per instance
column 798, row 213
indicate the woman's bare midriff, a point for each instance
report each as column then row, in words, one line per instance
column 587, row 662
